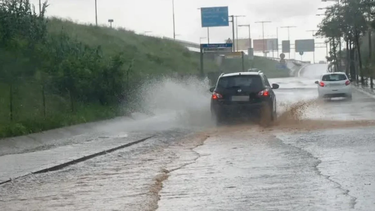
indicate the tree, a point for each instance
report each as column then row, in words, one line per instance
column 346, row 20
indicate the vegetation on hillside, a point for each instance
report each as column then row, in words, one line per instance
column 56, row 73
column 352, row 21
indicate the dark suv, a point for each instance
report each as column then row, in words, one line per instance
column 243, row 93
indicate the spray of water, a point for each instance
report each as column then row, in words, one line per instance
column 186, row 101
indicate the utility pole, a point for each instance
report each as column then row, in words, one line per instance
column 174, row 23
column 264, row 44
column 288, row 27
column 96, row 12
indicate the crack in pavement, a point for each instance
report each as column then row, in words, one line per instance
column 159, row 179
column 346, row 192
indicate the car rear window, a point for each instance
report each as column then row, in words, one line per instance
column 240, row 81
column 334, row 77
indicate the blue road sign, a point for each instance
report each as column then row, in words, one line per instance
column 214, row 16
column 217, row 45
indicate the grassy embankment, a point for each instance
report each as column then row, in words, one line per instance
column 151, row 56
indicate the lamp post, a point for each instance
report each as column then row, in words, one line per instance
column 288, row 27
column 208, row 32
column 249, row 27
column 237, row 16
column 313, row 34
column 264, row 45
column 96, row 12
column 174, row 21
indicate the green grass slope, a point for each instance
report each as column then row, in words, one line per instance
column 152, row 56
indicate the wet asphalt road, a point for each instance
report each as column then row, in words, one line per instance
column 310, row 164
column 295, row 168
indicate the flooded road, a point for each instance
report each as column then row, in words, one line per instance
column 305, row 162
column 318, row 156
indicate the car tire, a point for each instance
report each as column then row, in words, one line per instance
column 274, row 112
column 266, row 115
column 217, row 119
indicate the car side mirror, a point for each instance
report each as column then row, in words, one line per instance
column 316, row 82
column 275, row 86
column 212, row 89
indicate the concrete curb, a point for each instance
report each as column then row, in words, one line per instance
column 364, row 92
column 55, row 137
column 81, row 159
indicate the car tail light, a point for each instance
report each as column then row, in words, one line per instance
column 264, row 93
column 216, row 96
column 347, row 82
column 321, row 84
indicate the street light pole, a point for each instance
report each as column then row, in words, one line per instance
column 264, row 45
column 247, row 25
column 208, row 35
column 40, row 7
column 174, row 23
column 236, row 33
column 237, row 16
column 208, row 32
column 288, row 27
column 96, row 12
column 313, row 34
column 277, row 40
column 233, row 37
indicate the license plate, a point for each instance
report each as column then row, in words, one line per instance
column 240, row 98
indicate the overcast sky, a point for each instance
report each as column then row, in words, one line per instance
column 155, row 17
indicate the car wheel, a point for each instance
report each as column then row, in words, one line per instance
column 217, row 119
column 266, row 116
column 274, row 112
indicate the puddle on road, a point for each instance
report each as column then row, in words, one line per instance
column 130, row 179
column 302, row 116
column 299, row 117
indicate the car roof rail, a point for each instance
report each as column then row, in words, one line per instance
column 254, row 70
